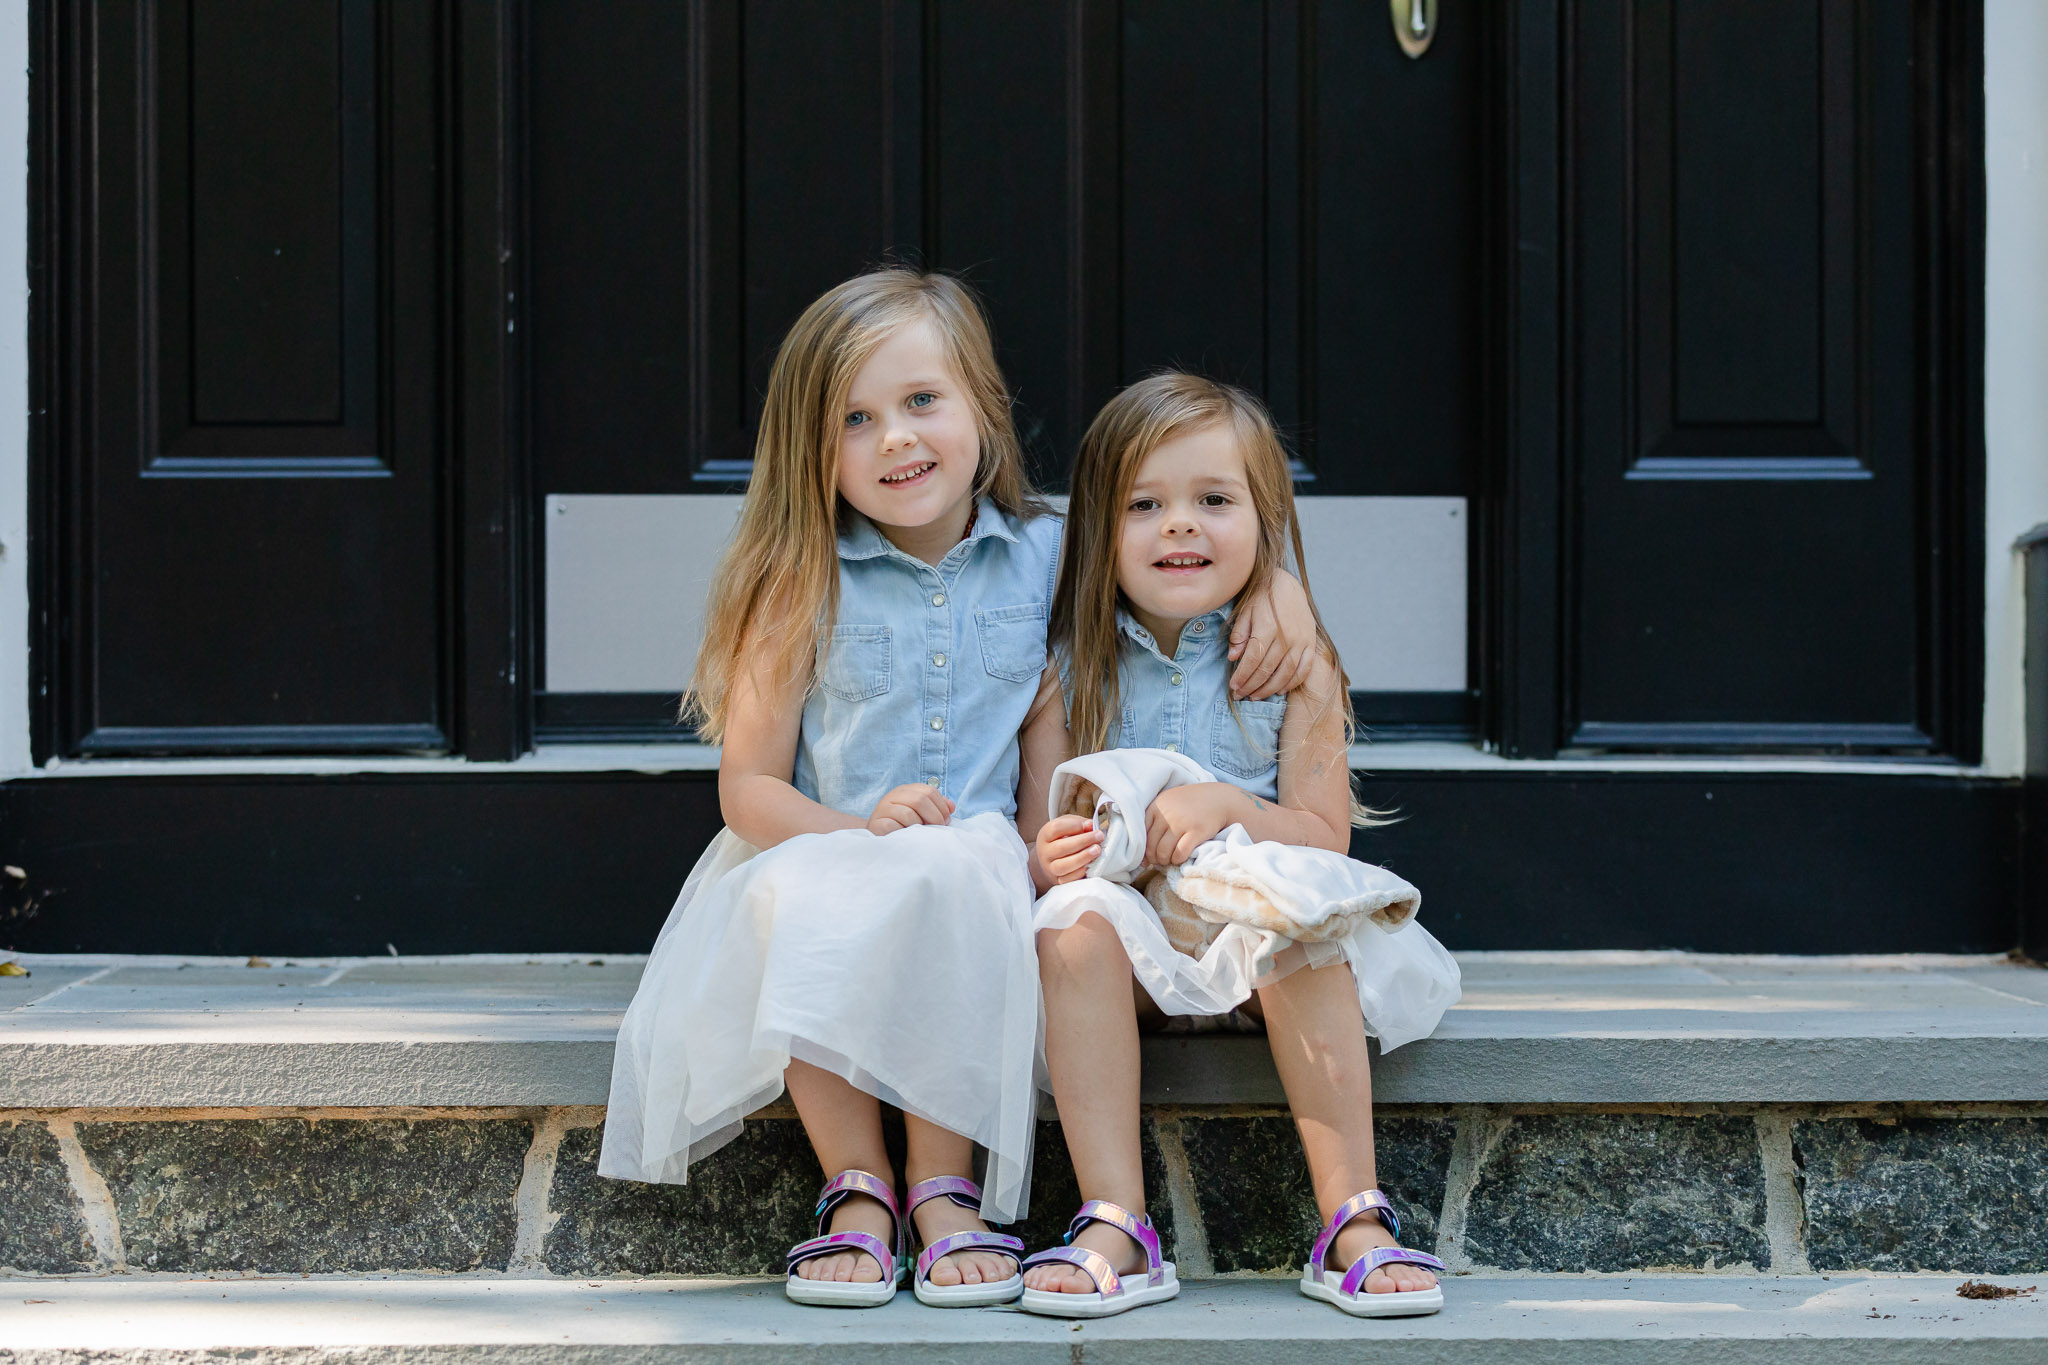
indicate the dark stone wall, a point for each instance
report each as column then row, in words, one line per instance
column 1549, row 1192
column 1620, row 1192
column 306, row 1196
column 1925, row 1194
column 746, row 1204
column 41, row 1230
column 1259, row 1208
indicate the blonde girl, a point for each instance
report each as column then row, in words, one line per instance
column 859, row 931
column 1182, row 506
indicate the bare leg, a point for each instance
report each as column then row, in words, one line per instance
column 1318, row 1042
column 1091, row 1050
column 844, row 1124
column 934, row 1151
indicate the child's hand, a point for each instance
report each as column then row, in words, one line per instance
column 1274, row 641
column 913, row 803
column 1067, row 845
column 1182, row 819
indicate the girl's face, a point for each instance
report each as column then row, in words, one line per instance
column 1190, row 532
column 908, row 443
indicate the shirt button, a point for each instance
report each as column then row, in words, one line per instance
column 938, row 661
column 938, row 722
column 1201, row 627
column 931, row 781
column 938, row 599
column 1176, row 680
column 1173, row 748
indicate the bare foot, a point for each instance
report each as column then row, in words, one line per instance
column 1116, row 1247
column 857, row 1213
column 1360, row 1236
column 941, row 1217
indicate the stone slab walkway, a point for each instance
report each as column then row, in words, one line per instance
column 1244, row 1321
column 1597, row 1028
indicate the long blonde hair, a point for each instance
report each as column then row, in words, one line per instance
column 1082, row 631
column 776, row 591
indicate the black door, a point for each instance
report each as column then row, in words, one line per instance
column 1768, row 503
column 250, row 551
column 1270, row 192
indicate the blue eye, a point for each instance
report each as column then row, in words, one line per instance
column 854, row 419
column 923, row 400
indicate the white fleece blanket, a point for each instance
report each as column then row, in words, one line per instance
column 1309, row 895
column 1239, row 913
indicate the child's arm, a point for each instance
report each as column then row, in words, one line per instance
column 1274, row 640
column 1061, row 848
column 1314, row 808
column 755, row 794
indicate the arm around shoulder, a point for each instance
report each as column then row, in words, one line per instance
column 1315, row 771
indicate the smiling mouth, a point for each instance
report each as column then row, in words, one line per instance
column 911, row 473
column 1181, row 563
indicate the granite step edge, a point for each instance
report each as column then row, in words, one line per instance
column 1563, row 1319
column 1202, row 1070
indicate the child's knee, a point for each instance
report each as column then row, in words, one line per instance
column 1089, row 942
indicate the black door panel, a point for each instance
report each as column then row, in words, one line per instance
column 259, row 497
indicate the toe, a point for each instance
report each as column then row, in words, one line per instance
column 944, row 1273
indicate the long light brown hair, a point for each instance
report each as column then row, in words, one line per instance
column 776, row 591
column 1083, row 631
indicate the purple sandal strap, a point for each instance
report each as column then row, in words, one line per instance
column 857, row 1182
column 1093, row 1264
column 1372, row 1201
column 837, row 1242
column 1354, row 1278
column 1138, row 1229
column 958, row 1188
column 962, row 1241
column 844, row 1186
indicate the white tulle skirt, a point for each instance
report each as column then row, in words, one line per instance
column 901, row 962
column 1406, row 979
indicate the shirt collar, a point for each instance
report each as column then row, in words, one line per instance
column 863, row 540
column 1217, row 619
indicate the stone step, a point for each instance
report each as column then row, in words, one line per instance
column 1728, row 1320
column 1592, row 1028
column 1605, row 1112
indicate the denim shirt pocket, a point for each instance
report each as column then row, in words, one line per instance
column 1012, row 641
column 856, row 666
column 1247, row 744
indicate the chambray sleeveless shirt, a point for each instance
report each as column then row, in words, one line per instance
column 1182, row 704
column 930, row 668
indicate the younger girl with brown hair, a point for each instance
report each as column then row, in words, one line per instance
column 1183, row 506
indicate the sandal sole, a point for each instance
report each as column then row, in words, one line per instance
column 1412, row 1303
column 1045, row 1303
column 968, row 1295
column 840, row 1293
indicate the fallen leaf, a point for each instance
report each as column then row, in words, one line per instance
column 38, row 1300
column 258, row 962
column 12, row 968
column 1979, row 1289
